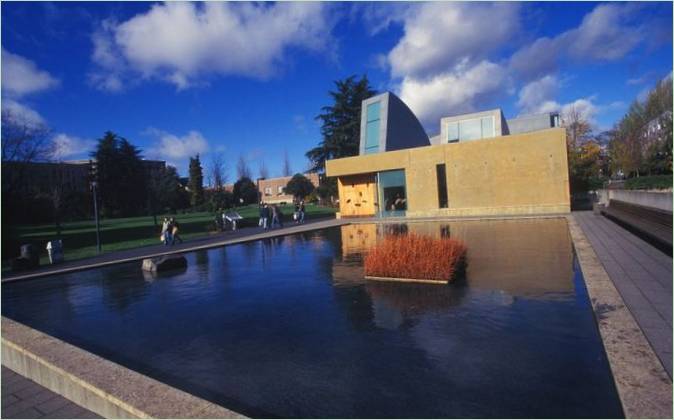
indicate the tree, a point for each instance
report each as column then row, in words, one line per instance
column 242, row 169
column 106, row 157
column 341, row 122
column 287, row 171
column 245, row 191
column 164, row 191
column 264, row 172
column 218, row 171
column 299, row 186
column 578, row 148
column 131, row 179
column 196, row 182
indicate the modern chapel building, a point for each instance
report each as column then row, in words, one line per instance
column 479, row 164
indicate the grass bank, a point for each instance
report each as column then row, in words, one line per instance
column 79, row 238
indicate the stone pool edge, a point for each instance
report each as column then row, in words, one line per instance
column 643, row 385
column 95, row 383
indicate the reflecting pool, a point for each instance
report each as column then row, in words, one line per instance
column 288, row 327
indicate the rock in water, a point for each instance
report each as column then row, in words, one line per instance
column 164, row 263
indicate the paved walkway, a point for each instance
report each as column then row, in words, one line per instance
column 215, row 240
column 641, row 273
column 25, row 399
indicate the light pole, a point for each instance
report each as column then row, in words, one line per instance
column 94, row 183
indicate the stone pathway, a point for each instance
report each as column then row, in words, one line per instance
column 641, row 273
column 25, row 399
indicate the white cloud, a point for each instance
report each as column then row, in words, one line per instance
column 606, row 33
column 22, row 113
column 66, row 146
column 172, row 147
column 21, row 76
column 536, row 97
column 585, row 107
column 441, row 35
column 249, row 39
column 459, row 90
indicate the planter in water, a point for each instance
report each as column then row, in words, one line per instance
column 415, row 258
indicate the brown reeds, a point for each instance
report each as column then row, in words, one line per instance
column 415, row 256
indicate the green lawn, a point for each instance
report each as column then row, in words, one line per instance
column 79, row 238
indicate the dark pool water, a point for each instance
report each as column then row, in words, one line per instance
column 289, row 328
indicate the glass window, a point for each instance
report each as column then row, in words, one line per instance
column 452, row 132
column 373, row 111
column 470, row 130
column 372, row 129
column 267, row 191
column 280, row 189
column 392, row 193
column 487, row 127
column 442, row 186
column 372, row 137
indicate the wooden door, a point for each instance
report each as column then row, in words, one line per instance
column 357, row 195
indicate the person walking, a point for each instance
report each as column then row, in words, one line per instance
column 265, row 217
column 301, row 210
column 279, row 215
column 296, row 213
column 260, row 223
column 174, row 231
column 165, row 231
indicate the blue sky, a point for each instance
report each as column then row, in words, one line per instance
column 246, row 79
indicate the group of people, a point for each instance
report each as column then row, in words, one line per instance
column 271, row 216
column 169, row 231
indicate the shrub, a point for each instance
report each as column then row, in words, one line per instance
column 414, row 256
column 656, row 182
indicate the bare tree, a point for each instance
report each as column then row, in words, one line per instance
column 23, row 140
column 578, row 128
column 287, row 170
column 218, row 171
column 242, row 169
column 264, row 172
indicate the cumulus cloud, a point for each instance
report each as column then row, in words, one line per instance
column 173, row 147
column 22, row 113
column 66, row 146
column 441, row 35
column 460, row 90
column 536, row 97
column 249, row 39
column 607, row 33
column 21, row 76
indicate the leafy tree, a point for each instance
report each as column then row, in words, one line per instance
column 164, row 191
column 131, row 178
column 196, row 182
column 245, row 189
column 327, row 189
column 299, row 186
column 341, row 122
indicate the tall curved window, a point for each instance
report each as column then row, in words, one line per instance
column 372, row 128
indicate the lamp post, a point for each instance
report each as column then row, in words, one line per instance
column 93, row 172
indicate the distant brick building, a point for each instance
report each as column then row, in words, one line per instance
column 272, row 190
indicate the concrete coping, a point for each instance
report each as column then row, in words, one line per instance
column 643, row 385
column 95, row 383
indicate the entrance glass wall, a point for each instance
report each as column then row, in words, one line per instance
column 392, row 193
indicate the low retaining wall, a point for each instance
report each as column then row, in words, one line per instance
column 657, row 200
column 97, row 384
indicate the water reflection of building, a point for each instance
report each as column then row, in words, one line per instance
column 532, row 258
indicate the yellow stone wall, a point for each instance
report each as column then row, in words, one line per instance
column 508, row 175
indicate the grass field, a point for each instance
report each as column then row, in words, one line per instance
column 79, row 238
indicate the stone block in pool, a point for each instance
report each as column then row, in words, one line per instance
column 164, row 263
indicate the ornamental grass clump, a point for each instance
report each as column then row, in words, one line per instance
column 416, row 258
